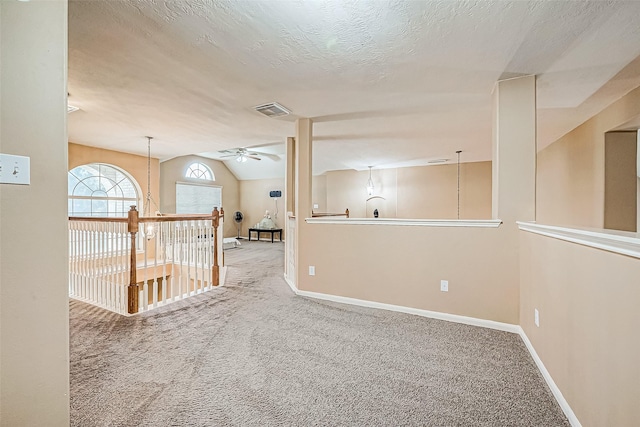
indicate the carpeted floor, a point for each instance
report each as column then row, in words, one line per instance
column 253, row 354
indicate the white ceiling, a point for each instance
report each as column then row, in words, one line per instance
column 387, row 83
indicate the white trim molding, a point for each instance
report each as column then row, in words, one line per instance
column 564, row 405
column 620, row 242
column 507, row 327
column 223, row 276
column 291, row 284
column 487, row 223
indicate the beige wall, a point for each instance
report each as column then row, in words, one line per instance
column 255, row 200
column 134, row 165
column 620, row 181
column 587, row 298
column 173, row 171
column 413, row 192
column 403, row 265
column 570, row 178
column 34, row 302
column 431, row 191
column 319, row 193
column 589, row 322
column 346, row 190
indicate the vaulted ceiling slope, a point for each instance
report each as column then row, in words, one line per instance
column 387, row 83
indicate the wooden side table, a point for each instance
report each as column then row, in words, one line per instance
column 272, row 231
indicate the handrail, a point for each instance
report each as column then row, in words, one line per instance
column 166, row 218
column 133, row 221
column 163, row 218
column 98, row 219
column 133, row 229
column 323, row 214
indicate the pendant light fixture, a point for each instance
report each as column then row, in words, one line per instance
column 370, row 186
column 150, row 228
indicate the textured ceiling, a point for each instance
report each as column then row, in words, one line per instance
column 387, row 83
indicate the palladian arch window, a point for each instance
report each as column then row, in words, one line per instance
column 101, row 190
column 199, row 171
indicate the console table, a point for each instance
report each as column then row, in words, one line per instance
column 272, row 231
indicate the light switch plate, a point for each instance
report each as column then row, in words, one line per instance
column 15, row 169
column 312, row 270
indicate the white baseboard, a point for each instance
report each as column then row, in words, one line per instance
column 291, row 285
column 568, row 412
column 507, row 327
column 223, row 275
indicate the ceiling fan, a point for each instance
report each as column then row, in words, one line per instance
column 242, row 154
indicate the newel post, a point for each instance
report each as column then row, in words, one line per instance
column 215, row 270
column 132, row 304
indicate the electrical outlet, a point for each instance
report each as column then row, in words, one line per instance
column 444, row 285
column 536, row 317
column 312, row 270
column 315, row 206
column 15, row 169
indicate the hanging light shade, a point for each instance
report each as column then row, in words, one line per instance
column 241, row 158
column 370, row 186
column 150, row 231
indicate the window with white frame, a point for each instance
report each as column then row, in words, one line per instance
column 101, row 190
column 197, row 198
column 199, row 171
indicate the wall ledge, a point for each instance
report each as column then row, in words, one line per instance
column 620, row 242
column 486, row 223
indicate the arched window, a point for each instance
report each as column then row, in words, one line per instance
column 199, row 171
column 101, row 190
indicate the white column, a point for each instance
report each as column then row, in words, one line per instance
column 290, row 184
column 303, row 182
column 514, row 149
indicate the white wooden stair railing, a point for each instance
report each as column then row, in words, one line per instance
column 114, row 265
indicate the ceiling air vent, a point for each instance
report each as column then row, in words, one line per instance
column 272, row 109
column 436, row 161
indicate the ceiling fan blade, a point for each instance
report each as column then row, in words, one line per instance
column 251, row 154
column 268, row 144
column 273, row 157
